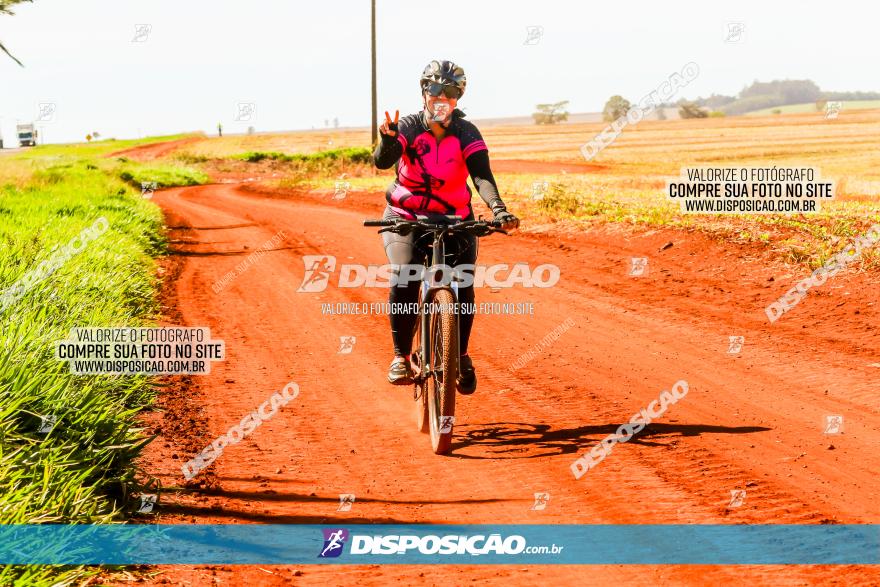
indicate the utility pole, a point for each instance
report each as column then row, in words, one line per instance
column 375, row 113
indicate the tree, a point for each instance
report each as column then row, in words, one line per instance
column 551, row 113
column 752, row 103
column 691, row 110
column 792, row 91
column 615, row 107
column 844, row 96
column 772, row 94
column 6, row 8
column 715, row 101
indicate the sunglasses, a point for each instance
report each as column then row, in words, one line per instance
column 434, row 89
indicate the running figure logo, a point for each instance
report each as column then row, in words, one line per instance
column 147, row 188
column 832, row 109
column 541, row 500
column 441, row 112
column 346, row 500
column 446, row 423
column 833, row 424
column 539, row 189
column 47, row 423
column 334, row 541
column 245, row 112
column 735, row 344
column 638, row 267
column 341, row 189
column 317, row 272
column 735, row 32
column 46, row 112
column 148, row 500
column 346, row 345
column 142, row 33
column 533, row 34
column 737, row 497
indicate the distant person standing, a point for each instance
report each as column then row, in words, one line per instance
column 220, row 129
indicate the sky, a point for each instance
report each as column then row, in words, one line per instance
column 298, row 64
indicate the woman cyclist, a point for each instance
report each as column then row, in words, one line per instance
column 434, row 152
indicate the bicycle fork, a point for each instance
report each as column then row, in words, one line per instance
column 431, row 282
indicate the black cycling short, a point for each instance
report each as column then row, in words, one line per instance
column 461, row 249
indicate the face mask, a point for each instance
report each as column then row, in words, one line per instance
column 442, row 113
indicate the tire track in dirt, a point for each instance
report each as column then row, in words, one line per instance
column 744, row 424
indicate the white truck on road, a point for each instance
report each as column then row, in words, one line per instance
column 27, row 135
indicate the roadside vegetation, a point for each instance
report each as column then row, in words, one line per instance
column 625, row 184
column 351, row 154
column 68, row 443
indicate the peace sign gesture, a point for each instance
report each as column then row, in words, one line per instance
column 388, row 127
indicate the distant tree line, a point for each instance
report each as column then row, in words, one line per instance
column 762, row 95
column 839, row 96
column 758, row 96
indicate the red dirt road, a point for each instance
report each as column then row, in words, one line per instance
column 152, row 151
column 750, row 421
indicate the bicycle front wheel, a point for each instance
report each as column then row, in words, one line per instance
column 444, row 370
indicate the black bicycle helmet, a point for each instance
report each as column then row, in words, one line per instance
column 443, row 72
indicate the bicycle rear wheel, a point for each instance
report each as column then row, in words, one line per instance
column 444, row 370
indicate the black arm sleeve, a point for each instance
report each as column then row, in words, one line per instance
column 484, row 181
column 387, row 152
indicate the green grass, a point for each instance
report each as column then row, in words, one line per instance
column 811, row 107
column 163, row 175
column 351, row 154
column 188, row 158
column 807, row 240
column 83, row 470
column 92, row 149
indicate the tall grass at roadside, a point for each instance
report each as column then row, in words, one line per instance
column 800, row 239
column 82, row 469
column 351, row 154
column 162, row 175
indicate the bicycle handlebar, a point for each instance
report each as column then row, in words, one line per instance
column 430, row 225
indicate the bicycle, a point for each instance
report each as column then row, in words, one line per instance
column 435, row 355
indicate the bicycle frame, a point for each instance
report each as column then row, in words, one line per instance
column 431, row 283
column 435, row 390
column 433, row 278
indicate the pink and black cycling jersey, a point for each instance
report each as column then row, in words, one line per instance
column 432, row 176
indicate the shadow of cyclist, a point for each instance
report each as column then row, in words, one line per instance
column 502, row 440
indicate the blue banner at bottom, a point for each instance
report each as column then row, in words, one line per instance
column 247, row 544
